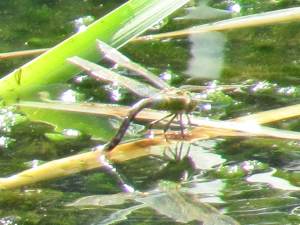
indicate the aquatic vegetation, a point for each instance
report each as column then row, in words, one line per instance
column 246, row 171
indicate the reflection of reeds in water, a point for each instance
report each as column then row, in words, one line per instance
column 168, row 199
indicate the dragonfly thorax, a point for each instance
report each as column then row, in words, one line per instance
column 175, row 100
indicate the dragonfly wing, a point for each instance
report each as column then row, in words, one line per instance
column 106, row 75
column 117, row 57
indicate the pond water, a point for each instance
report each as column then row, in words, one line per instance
column 226, row 180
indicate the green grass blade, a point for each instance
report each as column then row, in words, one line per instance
column 116, row 29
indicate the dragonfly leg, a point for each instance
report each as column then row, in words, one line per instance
column 178, row 153
column 167, row 127
column 188, row 119
column 159, row 120
column 166, row 155
column 171, row 154
column 181, row 124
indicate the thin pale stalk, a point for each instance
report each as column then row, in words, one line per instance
column 23, row 53
column 260, row 19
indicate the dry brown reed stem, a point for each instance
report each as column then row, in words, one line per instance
column 260, row 19
column 91, row 160
column 23, row 53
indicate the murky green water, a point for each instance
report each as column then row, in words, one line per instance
column 252, row 180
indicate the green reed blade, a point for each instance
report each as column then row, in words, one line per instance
column 116, row 29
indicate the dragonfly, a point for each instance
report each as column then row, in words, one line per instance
column 178, row 101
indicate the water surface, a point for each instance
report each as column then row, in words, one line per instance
column 251, row 180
